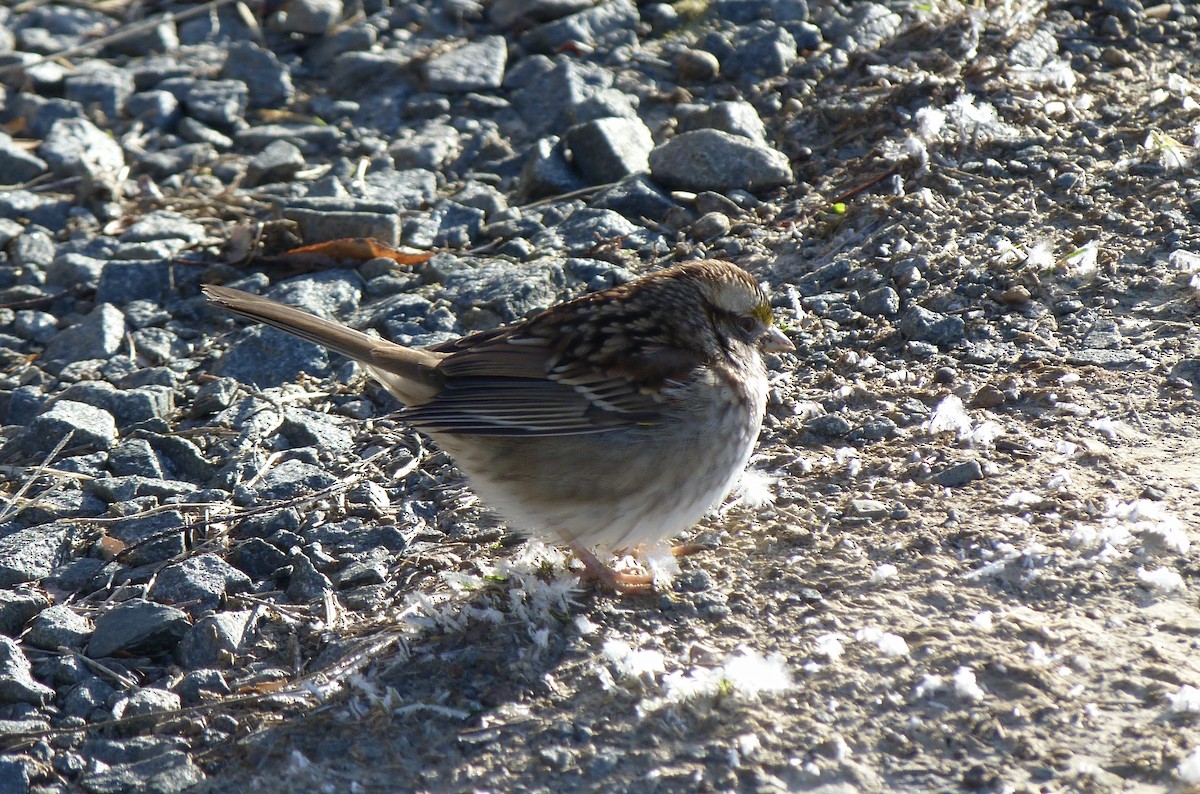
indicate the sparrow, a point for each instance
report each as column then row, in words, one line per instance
column 604, row 423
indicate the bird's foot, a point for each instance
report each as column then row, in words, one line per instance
column 624, row 583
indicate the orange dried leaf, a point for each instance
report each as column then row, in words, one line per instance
column 361, row 249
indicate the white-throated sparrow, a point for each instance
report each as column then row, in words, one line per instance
column 603, row 423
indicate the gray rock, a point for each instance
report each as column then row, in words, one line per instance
column 477, row 66
column 547, row 171
column 163, row 225
column 430, row 147
column 507, row 13
column 156, row 39
column 359, row 37
column 714, row 160
column 87, row 697
column 88, row 425
column 696, row 65
column 447, row 225
column 123, row 489
column 265, row 357
column 122, row 282
column 195, row 131
column 17, row 607
column 112, row 751
column 148, row 539
column 58, row 626
column 1112, row 359
column 829, row 426
column 293, row 478
column 354, row 71
column 74, row 270
column 174, row 161
column 15, row 726
column 333, row 294
column 9, row 231
column 482, row 197
column 41, row 113
column 214, row 396
column 710, row 226
column 105, row 90
column 591, row 26
column 309, row 138
column 162, row 347
column 49, row 212
column 306, row 583
column 198, row 583
column 199, row 686
column 14, row 774
column 741, row 12
column 152, row 703
column 869, row 508
column 156, row 109
column 736, row 118
column 879, row 302
column 361, row 573
column 138, row 628
column 1034, row 51
column 99, row 335
column 808, row 36
column 604, row 103
column 358, row 536
column 215, row 640
column 319, row 226
column 278, row 162
column 609, row 149
column 755, row 52
column 305, row 428
column 77, row 147
column 24, row 403
column 17, row 164
column 635, row 198
column 33, row 250
column 167, row 773
column 870, row 26
column 509, row 292
column 182, row 457
column 959, row 474
column 922, row 325
column 126, row 406
column 57, row 505
column 257, row 558
column 134, row 456
column 39, row 327
column 16, row 679
column 551, row 96
column 879, row 429
column 311, row 16
column 221, row 103
column 269, row 82
column 579, row 232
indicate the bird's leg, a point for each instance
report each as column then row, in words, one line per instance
column 625, row 583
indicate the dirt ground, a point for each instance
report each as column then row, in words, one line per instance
column 1031, row 580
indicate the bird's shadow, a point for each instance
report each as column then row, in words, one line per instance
column 476, row 670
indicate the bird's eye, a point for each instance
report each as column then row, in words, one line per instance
column 748, row 323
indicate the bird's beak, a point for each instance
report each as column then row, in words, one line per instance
column 774, row 341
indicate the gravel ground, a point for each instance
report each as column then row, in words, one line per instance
column 961, row 559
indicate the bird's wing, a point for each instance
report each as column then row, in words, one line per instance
column 525, row 384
